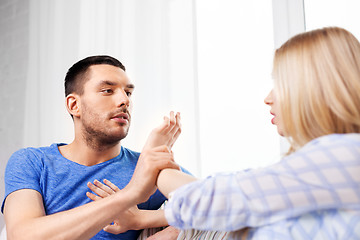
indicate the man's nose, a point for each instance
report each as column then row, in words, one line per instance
column 123, row 99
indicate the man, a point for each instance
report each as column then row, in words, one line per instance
column 46, row 187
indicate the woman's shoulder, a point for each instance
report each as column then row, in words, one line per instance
column 337, row 138
column 330, row 148
column 333, row 141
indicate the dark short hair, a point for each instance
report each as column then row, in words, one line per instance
column 74, row 80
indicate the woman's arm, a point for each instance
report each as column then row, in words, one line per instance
column 323, row 175
column 171, row 179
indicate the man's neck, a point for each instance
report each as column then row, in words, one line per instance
column 87, row 155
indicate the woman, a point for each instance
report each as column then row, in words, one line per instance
column 314, row 191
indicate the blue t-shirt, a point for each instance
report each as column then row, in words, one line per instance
column 63, row 183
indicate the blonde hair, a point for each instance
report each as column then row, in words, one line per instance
column 317, row 83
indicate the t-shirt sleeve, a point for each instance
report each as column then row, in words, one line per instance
column 185, row 171
column 23, row 171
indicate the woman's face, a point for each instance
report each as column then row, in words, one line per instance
column 275, row 111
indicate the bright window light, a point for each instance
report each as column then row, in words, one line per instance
column 235, row 51
column 324, row 13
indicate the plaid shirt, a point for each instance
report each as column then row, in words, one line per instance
column 313, row 193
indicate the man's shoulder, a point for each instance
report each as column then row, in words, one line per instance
column 130, row 153
column 34, row 152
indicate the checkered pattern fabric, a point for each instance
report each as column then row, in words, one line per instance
column 192, row 234
column 313, row 193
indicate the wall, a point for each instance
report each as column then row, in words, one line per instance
column 14, row 18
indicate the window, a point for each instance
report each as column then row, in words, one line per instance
column 235, row 46
column 323, row 13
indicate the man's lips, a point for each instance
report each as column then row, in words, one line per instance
column 121, row 118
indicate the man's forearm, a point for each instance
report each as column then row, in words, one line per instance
column 79, row 223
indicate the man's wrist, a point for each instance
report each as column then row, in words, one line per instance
column 124, row 199
column 134, row 195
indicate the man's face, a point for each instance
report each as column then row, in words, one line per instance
column 106, row 104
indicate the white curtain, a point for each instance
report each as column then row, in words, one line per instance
column 153, row 39
column 53, row 46
column 209, row 60
column 174, row 50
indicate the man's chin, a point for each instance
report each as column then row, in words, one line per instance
column 120, row 136
column 112, row 141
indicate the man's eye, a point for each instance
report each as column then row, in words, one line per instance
column 107, row 91
column 129, row 94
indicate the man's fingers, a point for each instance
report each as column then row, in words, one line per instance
column 103, row 187
column 162, row 148
column 172, row 119
column 92, row 196
column 99, row 189
column 96, row 190
column 176, row 135
column 178, row 119
column 157, row 154
column 111, row 185
column 168, row 123
column 158, row 158
column 175, row 126
column 162, row 164
column 114, row 229
column 165, row 124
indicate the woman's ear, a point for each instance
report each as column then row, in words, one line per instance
column 72, row 103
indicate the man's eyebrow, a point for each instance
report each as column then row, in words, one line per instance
column 112, row 83
column 130, row 85
column 107, row 82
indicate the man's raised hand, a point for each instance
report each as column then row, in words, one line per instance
column 165, row 134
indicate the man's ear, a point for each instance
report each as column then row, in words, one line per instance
column 72, row 103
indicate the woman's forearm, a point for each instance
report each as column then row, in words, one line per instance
column 171, row 179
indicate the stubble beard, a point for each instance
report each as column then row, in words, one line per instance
column 99, row 140
column 97, row 136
